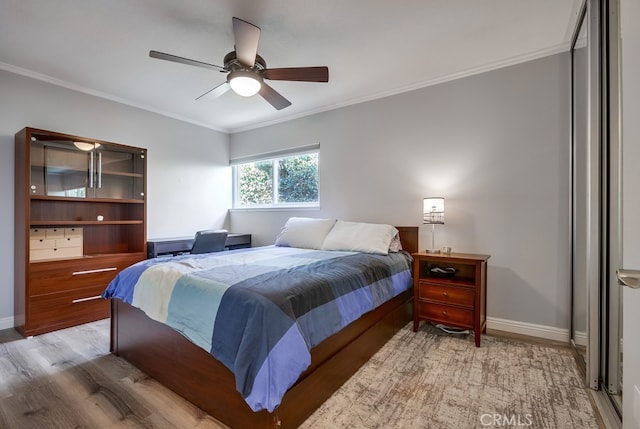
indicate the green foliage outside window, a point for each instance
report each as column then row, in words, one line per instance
column 297, row 181
column 255, row 184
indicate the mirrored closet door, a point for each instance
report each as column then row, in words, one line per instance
column 596, row 328
column 579, row 127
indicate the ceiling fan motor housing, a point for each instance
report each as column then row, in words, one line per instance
column 232, row 63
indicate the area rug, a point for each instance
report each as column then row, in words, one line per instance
column 431, row 379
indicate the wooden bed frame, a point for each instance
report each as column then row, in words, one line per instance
column 194, row 374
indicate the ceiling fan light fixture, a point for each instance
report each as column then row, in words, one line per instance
column 245, row 82
column 86, row 146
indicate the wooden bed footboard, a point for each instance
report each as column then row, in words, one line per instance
column 167, row 356
column 194, row 374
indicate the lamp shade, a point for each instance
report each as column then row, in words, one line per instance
column 433, row 210
column 244, row 82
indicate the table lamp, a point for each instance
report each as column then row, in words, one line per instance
column 433, row 213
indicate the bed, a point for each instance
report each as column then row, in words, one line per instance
column 167, row 355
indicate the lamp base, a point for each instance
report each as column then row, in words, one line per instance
column 432, row 251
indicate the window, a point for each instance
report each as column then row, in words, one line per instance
column 285, row 181
column 76, row 193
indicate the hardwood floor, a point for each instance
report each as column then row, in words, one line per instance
column 67, row 379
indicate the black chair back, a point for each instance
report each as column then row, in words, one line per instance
column 209, row 241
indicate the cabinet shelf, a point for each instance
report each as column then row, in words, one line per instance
column 86, row 200
column 81, row 170
column 84, row 222
column 122, row 173
column 93, row 257
column 57, row 211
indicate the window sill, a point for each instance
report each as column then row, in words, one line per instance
column 274, row 209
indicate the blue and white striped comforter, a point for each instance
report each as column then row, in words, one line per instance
column 259, row 311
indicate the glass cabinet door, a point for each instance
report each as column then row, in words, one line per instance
column 61, row 168
column 119, row 173
column 76, row 169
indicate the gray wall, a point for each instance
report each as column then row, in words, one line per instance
column 495, row 145
column 189, row 180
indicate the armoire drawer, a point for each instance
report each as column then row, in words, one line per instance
column 67, row 308
column 60, row 276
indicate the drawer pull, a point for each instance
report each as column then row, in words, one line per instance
column 444, row 313
column 445, row 294
column 91, row 298
column 99, row 270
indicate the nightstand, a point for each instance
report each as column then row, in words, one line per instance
column 451, row 289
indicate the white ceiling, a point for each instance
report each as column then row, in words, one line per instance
column 373, row 48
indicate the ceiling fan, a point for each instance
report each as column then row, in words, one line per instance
column 247, row 70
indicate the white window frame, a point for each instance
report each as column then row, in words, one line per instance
column 274, row 157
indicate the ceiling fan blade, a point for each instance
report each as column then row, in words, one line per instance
column 177, row 59
column 273, row 97
column 246, row 36
column 215, row 92
column 304, row 74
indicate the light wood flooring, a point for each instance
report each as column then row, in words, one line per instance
column 68, row 379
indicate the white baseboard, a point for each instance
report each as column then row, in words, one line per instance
column 6, row 323
column 512, row 326
column 580, row 338
column 530, row 329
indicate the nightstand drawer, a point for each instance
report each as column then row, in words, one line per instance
column 447, row 314
column 447, row 294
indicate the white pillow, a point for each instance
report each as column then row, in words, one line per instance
column 360, row 237
column 304, row 232
column 395, row 245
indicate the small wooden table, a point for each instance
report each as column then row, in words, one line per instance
column 451, row 289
